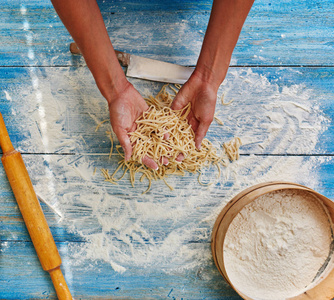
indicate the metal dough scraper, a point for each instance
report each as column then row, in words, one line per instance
column 149, row 69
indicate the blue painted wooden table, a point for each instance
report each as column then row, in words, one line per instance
column 116, row 242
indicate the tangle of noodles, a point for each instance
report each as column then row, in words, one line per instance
column 163, row 132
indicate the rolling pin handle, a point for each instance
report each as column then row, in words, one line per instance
column 58, row 280
column 5, row 143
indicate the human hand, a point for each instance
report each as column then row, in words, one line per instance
column 203, row 96
column 125, row 108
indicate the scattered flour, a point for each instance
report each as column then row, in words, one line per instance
column 276, row 245
column 162, row 229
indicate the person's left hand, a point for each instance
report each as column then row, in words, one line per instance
column 202, row 96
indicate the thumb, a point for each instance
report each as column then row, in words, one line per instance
column 179, row 102
column 200, row 134
column 124, row 140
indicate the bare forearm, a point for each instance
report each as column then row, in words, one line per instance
column 225, row 24
column 84, row 22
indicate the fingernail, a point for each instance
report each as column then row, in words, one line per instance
column 165, row 161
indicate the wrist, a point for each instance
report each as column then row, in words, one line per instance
column 105, row 68
column 210, row 76
column 112, row 85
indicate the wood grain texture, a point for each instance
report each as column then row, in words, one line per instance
column 70, row 98
column 99, row 281
column 61, row 167
column 282, row 110
column 96, row 279
column 271, row 36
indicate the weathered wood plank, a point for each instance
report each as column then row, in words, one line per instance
column 175, row 258
column 57, row 110
column 23, row 278
column 32, row 34
column 74, row 195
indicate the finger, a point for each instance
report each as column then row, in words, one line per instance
column 179, row 102
column 200, row 134
column 124, row 140
column 193, row 122
column 180, row 157
column 164, row 160
column 150, row 163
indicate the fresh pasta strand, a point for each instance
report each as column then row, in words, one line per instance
column 222, row 100
column 100, row 124
column 219, row 121
column 232, row 148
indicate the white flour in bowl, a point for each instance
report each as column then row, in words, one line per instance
column 276, row 245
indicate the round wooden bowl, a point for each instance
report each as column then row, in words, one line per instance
column 322, row 289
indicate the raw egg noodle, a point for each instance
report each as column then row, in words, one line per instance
column 165, row 133
column 232, row 148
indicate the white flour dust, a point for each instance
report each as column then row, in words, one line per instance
column 276, row 245
column 162, row 229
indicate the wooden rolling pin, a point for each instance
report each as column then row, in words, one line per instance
column 32, row 213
